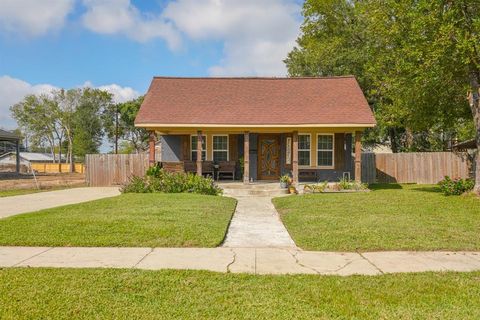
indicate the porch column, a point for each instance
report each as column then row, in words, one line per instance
column 358, row 156
column 246, row 157
column 295, row 158
column 151, row 148
column 17, row 157
column 199, row 152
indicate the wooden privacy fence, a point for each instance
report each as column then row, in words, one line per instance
column 113, row 169
column 415, row 167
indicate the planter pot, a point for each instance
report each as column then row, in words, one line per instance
column 283, row 185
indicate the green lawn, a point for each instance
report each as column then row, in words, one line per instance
column 390, row 217
column 135, row 294
column 17, row 192
column 138, row 220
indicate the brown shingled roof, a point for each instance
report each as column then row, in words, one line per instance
column 255, row 101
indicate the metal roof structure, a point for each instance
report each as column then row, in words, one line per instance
column 8, row 136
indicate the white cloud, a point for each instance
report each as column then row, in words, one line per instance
column 33, row 17
column 257, row 35
column 13, row 90
column 121, row 17
column 120, row 94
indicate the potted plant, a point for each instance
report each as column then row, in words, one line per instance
column 292, row 189
column 284, row 181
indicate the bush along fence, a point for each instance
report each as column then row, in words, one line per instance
column 414, row 167
column 422, row 168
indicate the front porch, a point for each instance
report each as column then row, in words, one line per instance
column 262, row 155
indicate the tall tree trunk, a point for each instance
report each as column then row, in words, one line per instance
column 70, row 152
column 475, row 105
column 393, row 139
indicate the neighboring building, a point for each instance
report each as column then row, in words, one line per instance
column 301, row 126
column 10, row 138
column 26, row 158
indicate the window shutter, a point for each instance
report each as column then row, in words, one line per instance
column 339, row 158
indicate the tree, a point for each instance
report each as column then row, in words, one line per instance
column 415, row 60
column 37, row 116
column 88, row 130
column 119, row 123
column 79, row 116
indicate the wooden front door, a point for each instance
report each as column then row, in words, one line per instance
column 268, row 157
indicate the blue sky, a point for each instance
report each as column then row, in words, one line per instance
column 118, row 45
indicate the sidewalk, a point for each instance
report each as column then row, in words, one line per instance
column 10, row 206
column 256, row 224
column 241, row 260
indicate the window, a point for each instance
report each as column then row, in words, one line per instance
column 325, row 150
column 303, row 149
column 220, row 148
column 194, row 148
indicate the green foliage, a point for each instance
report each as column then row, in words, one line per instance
column 87, row 124
column 413, row 59
column 119, row 121
column 285, row 179
column 136, row 185
column 159, row 180
column 315, row 188
column 345, row 184
column 456, row 187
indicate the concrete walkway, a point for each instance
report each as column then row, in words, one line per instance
column 256, row 224
column 241, row 260
column 14, row 205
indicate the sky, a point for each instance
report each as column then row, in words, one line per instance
column 119, row 45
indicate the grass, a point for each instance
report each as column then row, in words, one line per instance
column 137, row 220
column 135, row 294
column 391, row 217
column 18, row 192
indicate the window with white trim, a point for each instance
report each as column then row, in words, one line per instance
column 220, row 148
column 325, row 150
column 303, row 149
column 193, row 145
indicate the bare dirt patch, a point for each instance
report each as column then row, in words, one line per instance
column 45, row 181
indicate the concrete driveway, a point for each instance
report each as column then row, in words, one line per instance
column 10, row 206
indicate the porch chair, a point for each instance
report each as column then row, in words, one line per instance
column 207, row 168
column 226, row 168
column 190, row 166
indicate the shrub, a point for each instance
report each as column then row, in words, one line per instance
column 136, row 185
column 159, row 180
column 455, row 186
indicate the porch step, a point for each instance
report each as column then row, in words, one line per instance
column 254, row 189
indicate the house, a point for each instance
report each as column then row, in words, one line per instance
column 26, row 158
column 298, row 126
column 11, row 138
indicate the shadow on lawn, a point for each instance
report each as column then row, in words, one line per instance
column 427, row 189
column 384, row 186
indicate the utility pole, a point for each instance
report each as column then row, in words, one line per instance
column 116, row 129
